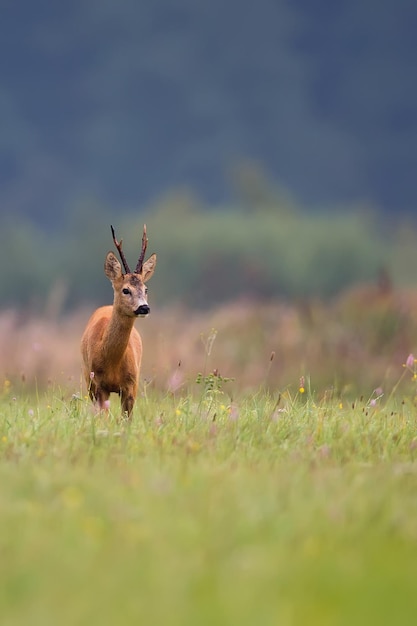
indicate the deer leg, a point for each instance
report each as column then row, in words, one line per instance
column 91, row 386
column 128, row 401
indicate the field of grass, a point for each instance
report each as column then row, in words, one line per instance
column 276, row 488
column 265, row 508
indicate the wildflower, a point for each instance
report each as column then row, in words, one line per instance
column 159, row 421
column 277, row 414
column 410, row 361
column 324, row 451
column 208, row 343
column 72, row 497
column 301, row 386
column 31, row 412
column 175, row 381
column 410, row 364
column 193, row 446
column 378, row 395
column 213, row 430
column 233, row 413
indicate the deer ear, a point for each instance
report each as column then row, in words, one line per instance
column 112, row 267
column 148, row 268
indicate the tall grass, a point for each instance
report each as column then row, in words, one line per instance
column 269, row 472
column 270, row 508
column 354, row 344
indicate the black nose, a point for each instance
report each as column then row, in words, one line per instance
column 142, row 310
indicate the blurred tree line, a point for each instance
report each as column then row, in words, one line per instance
column 120, row 100
column 265, row 248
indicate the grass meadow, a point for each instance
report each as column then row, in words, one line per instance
column 269, row 474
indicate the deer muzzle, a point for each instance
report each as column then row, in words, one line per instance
column 143, row 310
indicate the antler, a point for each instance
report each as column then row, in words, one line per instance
column 139, row 266
column 118, row 245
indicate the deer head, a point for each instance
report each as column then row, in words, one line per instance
column 130, row 293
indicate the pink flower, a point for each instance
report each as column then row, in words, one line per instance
column 410, row 361
column 324, row 451
column 176, row 380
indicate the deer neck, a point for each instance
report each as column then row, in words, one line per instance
column 116, row 336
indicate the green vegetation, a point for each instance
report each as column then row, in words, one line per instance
column 272, row 509
column 232, row 497
column 207, row 257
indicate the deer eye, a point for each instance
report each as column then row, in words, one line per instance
column 126, row 291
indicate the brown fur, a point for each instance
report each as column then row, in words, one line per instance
column 111, row 347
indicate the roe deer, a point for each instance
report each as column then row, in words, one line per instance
column 111, row 347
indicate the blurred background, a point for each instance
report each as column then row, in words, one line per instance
column 271, row 148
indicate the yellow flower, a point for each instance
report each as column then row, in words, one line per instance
column 193, row 446
column 72, row 497
column 301, row 390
